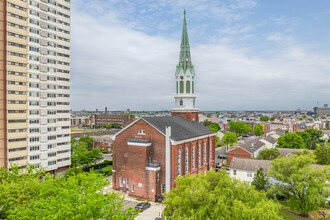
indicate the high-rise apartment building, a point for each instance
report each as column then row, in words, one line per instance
column 35, row 83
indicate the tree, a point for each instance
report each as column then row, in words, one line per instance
column 88, row 140
column 217, row 196
column 258, row 130
column 272, row 118
column 229, row 138
column 303, row 184
column 260, row 180
column 311, row 144
column 239, row 127
column 322, row 154
column 291, row 140
column 214, row 127
column 315, row 134
column 207, row 123
column 264, row 118
column 268, row 154
column 82, row 156
column 24, row 196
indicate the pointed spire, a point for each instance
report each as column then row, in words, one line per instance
column 185, row 59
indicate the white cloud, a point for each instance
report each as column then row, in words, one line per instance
column 115, row 65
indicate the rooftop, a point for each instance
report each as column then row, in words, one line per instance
column 249, row 164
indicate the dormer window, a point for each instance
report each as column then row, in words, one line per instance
column 141, row 132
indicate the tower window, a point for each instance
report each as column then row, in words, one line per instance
column 181, row 102
column 181, row 86
column 193, row 157
column 188, row 87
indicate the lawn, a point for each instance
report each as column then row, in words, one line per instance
column 86, row 130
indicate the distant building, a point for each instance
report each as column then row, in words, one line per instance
column 322, row 111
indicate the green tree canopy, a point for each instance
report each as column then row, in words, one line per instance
column 217, row 196
column 322, row 154
column 264, row 118
column 260, row 180
column 272, row 118
column 82, row 156
column 214, row 127
column 207, row 123
column 268, row 154
column 113, row 125
column 258, row 130
column 314, row 134
column 301, row 182
column 291, row 140
column 239, row 127
column 229, row 138
column 24, row 196
column 88, row 140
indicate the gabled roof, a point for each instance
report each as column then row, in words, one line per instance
column 270, row 139
column 249, row 164
column 280, row 132
column 253, row 145
column 181, row 128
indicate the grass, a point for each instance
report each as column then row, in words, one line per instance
column 287, row 215
column 86, row 130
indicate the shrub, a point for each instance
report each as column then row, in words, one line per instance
column 107, row 171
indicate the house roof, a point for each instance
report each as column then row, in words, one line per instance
column 270, row 139
column 280, row 132
column 287, row 151
column 252, row 145
column 181, row 128
column 249, row 164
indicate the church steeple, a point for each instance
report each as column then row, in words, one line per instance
column 185, row 58
column 185, row 80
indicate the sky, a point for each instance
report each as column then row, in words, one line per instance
column 248, row 54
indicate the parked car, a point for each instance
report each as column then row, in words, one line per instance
column 158, row 218
column 142, row 206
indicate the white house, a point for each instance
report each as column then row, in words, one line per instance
column 269, row 141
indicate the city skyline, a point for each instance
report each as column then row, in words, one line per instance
column 248, row 55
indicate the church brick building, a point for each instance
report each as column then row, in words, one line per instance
column 151, row 152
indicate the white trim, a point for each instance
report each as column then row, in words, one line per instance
column 191, row 139
column 113, row 170
column 153, row 168
column 138, row 144
column 114, row 136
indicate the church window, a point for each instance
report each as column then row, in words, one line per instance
column 193, row 157
column 181, row 102
column 177, row 89
column 181, row 86
column 187, row 161
column 199, row 155
column 210, row 150
column 179, row 162
column 188, row 87
column 141, row 131
column 204, row 152
column 192, row 87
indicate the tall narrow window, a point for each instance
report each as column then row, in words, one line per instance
column 177, row 87
column 187, row 161
column 188, row 87
column 192, row 87
column 127, row 185
column 179, row 162
column 204, row 152
column 199, row 155
column 181, row 86
column 193, row 157
column 210, row 151
column 121, row 181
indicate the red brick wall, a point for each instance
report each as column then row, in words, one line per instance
column 237, row 152
column 105, row 146
column 129, row 161
column 188, row 115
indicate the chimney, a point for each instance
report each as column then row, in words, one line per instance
column 106, row 110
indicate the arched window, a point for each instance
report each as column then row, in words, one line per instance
column 210, row 151
column 141, row 131
column 192, row 87
column 181, row 86
column 204, row 152
column 187, row 161
column 179, row 162
column 193, row 157
column 188, row 87
column 199, row 155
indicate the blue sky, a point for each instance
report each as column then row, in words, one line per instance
column 248, row 54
